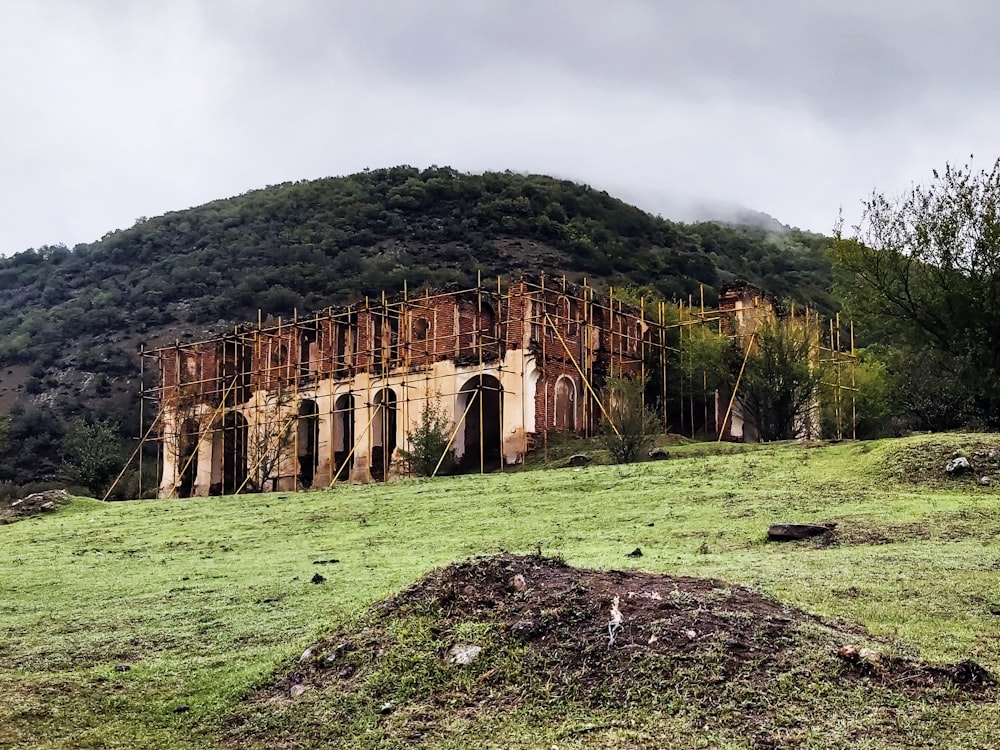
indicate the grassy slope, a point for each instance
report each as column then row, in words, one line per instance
column 206, row 597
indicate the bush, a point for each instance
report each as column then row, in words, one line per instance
column 429, row 441
column 629, row 429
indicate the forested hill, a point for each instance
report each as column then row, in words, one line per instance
column 70, row 320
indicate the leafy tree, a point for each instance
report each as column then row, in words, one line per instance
column 873, row 401
column 707, row 357
column 429, row 441
column 94, row 454
column 923, row 396
column 780, row 384
column 923, row 272
column 630, row 428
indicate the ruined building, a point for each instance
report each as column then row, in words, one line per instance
column 309, row 402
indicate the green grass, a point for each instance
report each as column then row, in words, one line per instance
column 206, row 598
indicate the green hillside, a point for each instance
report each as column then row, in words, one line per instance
column 72, row 319
column 183, row 623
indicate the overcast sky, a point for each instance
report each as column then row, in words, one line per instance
column 115, row 109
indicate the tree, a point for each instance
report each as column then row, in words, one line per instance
column 429, row 441
column 269, row 441
column 630, row 428
column 921, row 272
column 94, row 454
column 780, row 384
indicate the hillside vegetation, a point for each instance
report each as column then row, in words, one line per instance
column 71, row 320
column 183, row 623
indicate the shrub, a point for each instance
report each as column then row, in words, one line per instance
column 629, row 428
column 429, row 441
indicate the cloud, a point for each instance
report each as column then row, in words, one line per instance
column 118, row 109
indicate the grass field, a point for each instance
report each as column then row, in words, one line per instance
column 145, row 624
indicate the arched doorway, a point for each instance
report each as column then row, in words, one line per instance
column 343, row 436
column 234, row 452
column 383, row 433
column 307, row 442
column 187, row 457
column 565, row 404
column 481, row 400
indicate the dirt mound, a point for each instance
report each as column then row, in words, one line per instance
column 32, row 505
column 566, row 616
column 503, row 633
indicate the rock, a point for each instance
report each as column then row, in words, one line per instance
column 784, row 532
column 325, row 562
column 580, row 459
column 849, row 652
column 463, row 653
column 297, row 690
column 635, row 553
column 958, row 465
column 862, row 655
column 869, row 655
column 658, row 454
column 48, row 506
column 317, row 578
column 984, row 481
column 339, row 650
column 183, row 708
column 518, row 583
column 385, row 707
column 306, row 655
column 123, row 667
column 968, row 672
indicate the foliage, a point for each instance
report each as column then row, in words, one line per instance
column 629, row 428
column 780, row 383
column 874, row 398
column 706, row 356
column 94, row 454
column 33, row 447
column 921, row 271
column 925, row 396
column 430, row 441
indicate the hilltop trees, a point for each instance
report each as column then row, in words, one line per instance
column 922, row 271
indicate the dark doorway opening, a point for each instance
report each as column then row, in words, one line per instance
column 234, row 453
column 343, row 437
column 308, row 442
column 188, row 457
column 481, row 400
column 384, row 433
